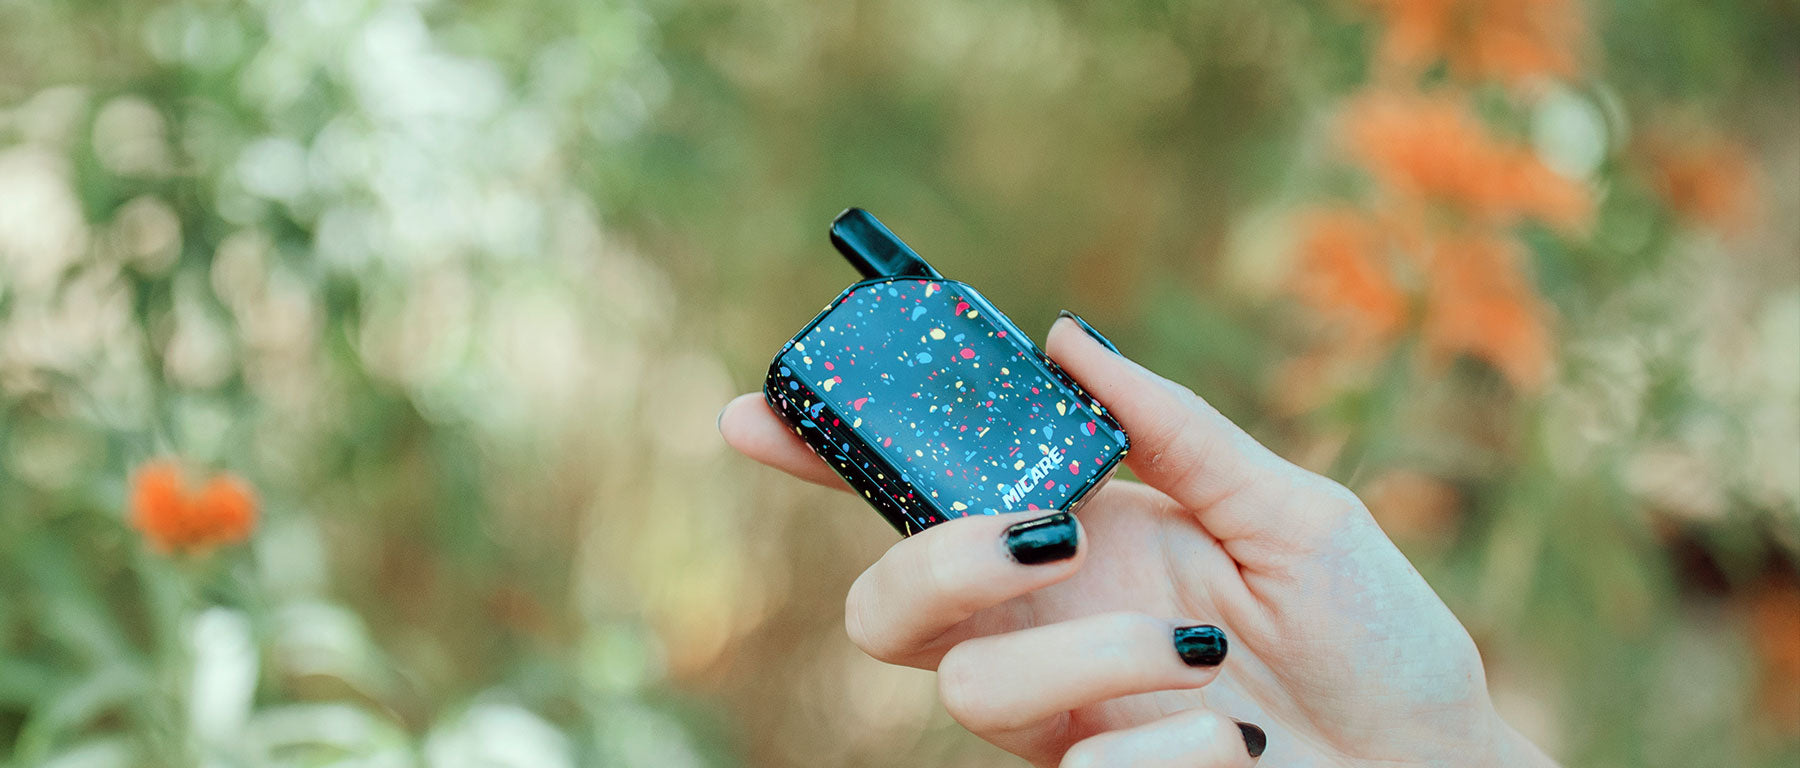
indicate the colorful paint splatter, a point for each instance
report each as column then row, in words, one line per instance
column 932, row 405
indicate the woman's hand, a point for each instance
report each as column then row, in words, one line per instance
column 1100, row 643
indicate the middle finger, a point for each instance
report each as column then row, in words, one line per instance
column 1001, row 684
column 901, row 609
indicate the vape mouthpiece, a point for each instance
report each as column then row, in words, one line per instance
column 874, row 250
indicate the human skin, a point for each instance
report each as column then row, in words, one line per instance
column 1339, row 652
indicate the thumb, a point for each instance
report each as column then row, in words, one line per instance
column 1181, row 445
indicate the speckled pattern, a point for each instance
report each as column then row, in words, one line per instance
column 933, row 405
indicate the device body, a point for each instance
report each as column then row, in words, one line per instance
column 933, row 405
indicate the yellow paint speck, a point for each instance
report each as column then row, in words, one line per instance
column 937, row 333
column 958, row 506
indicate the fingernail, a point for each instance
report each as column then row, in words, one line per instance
column 1255, row 741
column 719, row 421
column 1098, row 336
column 1200, row 646
column 1046, row 539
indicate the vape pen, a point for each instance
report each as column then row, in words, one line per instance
column 931, row 403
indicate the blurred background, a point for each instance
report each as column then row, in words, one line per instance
column 359, row 358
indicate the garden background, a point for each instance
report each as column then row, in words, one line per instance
column 359, row 358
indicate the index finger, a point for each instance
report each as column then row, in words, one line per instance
column 748, row 425
column 1181, row 445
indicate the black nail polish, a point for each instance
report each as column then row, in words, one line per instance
column 1098, row 336
column 1200, row 646
column 1046, row 539
column 1255, row 741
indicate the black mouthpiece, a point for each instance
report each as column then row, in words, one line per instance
column 873, row 249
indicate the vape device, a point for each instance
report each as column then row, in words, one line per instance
column 930, row 402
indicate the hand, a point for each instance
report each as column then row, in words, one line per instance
column 1339, row 651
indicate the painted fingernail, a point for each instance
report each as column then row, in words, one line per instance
column 1046, row 539
column 1255, row 741
column 1200, row 646
column 1098, row 336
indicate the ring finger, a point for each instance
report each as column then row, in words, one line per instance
column 1010, row 688
column 1197, row 738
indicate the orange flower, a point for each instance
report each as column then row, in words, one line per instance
column 1478, row 302
column 1432, row 148
column 1413, row 505
column 1512, row 41
column 173, row 520
column 1774, row 623
column 1711, row 181
column 1344, row 274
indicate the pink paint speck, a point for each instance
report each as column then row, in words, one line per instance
column 858, row 403
column 1000, row 335
column 1074, row 467
column 967, row 353
column 1049, row 483
column 961, row 307
column 829, row 366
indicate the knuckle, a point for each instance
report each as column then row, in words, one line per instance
column 1333, row 503
column 1337, row 497
column 854, row 625
column 959, row 688
column 1087, row 753
column 856, row 622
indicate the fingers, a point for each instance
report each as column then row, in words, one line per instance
column 1001, row 685
column 1197, row 738
column 923, row 586
column 1179, row 444
column 749, row 426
